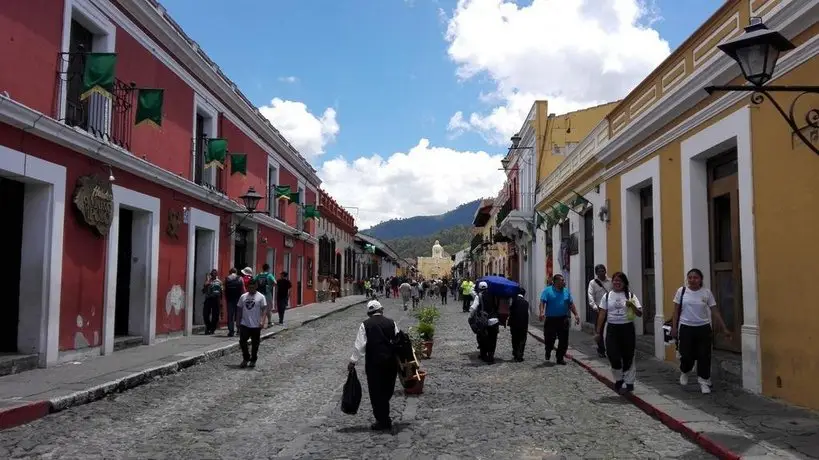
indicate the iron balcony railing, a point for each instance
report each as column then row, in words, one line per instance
column 110, row 120
column 504, row 211
column 477, row 241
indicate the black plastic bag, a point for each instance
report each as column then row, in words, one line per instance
column 351, row 398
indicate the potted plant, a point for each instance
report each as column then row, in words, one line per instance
column 426, row 332
column 410, row 374
column 428, row 315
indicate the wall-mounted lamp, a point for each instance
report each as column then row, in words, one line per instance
column 251, row 200
column 603, row 214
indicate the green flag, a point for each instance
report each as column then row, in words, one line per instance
column 238, row 163
column 562, row 210
column 294, row 198
column 369, row 248
column 216, row 153
column 282, row 192
column 310, row 212
column 540, row 220
column 98, row 74
column 579, row 201
column 149, row 106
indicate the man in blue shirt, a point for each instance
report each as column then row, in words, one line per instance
column 555, row 304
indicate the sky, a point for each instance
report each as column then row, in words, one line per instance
column 405, row 107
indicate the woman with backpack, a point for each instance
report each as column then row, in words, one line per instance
column 694, row 306
column 619, row 308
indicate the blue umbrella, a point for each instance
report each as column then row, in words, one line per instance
column 500, row 286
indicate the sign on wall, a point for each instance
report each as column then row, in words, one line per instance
column 289, row 242
column 94, row 199
column 174, row 220
column 309, row 273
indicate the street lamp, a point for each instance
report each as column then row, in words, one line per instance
column 756, row 52
column 251, row 201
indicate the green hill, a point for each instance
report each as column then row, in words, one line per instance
column 453, row 239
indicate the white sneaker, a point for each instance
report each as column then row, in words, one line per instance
column 705, row 388
column 683, row 379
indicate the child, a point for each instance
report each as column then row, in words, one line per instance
column 518, row 322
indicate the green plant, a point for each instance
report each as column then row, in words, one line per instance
column 428, row 315
column 426, row 331
column 417, row 340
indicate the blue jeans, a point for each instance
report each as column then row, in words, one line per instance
column 231, row 315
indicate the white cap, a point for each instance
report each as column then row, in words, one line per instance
column 483, row 285
column 374, row 306
column 247, row 271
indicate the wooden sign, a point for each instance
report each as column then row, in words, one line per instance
column 174, row 221
column 94, row 199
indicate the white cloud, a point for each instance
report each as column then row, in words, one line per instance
column 426, row 180
column 308, row 133
column 290, row 79
column 575, row 53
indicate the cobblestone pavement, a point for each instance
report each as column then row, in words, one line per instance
column 288, row 408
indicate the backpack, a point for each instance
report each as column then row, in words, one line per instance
column 234, row 287
column 215, row 289
column 263, row 283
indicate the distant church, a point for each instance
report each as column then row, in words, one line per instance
column 437, row 266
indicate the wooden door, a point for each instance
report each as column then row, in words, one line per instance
column 588, row 255
column 647, row 244
column 723, row 217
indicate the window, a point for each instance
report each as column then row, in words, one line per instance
column 272, row 178
column 205, row 127
column 300, row 209
column 90, row 31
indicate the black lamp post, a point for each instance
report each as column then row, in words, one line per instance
column 756, row 52
column 251, row 201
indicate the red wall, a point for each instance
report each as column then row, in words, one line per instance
column 169, row 146
column 30, row 39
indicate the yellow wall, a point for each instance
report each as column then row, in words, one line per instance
column 786, row 194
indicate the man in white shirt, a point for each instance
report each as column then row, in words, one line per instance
column 252, row 307
column 598, row 287
column 375, row 340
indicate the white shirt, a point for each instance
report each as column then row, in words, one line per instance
column 360, row 347
column 696, row 306
column 252, row 307
column 595, row 292
column 615, row 305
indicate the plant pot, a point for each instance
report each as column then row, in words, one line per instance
column 428, row 349
column 415, row 384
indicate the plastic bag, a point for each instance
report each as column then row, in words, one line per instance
column 351, row 397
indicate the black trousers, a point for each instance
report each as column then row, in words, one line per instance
column 231, row 315
column 281, row 307
column 601, row 343
column 518, row 341
column 467, row 301
column 695, row 346
column 621, row 341
column 210, row 313
column 254, row 334
column 443, row 298
column 381, row 383
column 488, row 340
column 556, row 328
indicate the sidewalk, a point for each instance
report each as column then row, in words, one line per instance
column 729, row 423
column 34, row 394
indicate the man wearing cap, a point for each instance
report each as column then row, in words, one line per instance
column 375, row 339
column 488, row 335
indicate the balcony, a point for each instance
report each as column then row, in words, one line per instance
column 504, row 211
column 110, row 120
column 477, row 241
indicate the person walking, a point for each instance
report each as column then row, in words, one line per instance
column 555, row 304
column 444, row 291
column 252, row 310
column 234, row 288
column 375, row 339
column 453, row 288
column 415, row 293
column 265, row 282
column 467, row 288
column 213, row 301
column 598, row 287
column 486, row 304
column 694, row 306
column 620, row 307
column 283, row 286
column 406, row 293
column 518, row 323
column 247, row 275
column 368, row 291
column 395, row 283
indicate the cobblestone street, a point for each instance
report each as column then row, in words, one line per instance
column 288, row 408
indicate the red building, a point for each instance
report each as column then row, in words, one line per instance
column 335, row 252
column 117, row 224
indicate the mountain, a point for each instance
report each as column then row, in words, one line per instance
column 424, row 225
column 453, row 239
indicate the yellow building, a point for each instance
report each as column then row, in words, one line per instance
column 676, row 179
column 436, row 267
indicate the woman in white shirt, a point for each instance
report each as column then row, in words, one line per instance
column 619, row 307
column 694, row 306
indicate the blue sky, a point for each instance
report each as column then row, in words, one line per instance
column 391, row 76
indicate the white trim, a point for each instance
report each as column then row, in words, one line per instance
column 647, row 174
column 41, row 283
column 148, row 208
column 206, row 221
column 269, row 195
column 249, row 120
column 211, row 129
column 731, row 131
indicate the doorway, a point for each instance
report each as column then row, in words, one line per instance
column 299, row 280
column 588, row 259
column 337, row 268
column 203, row 263
column 122, row 308
column 723, row 220
column 11, row 233
column 647, row 257
column 240, row 246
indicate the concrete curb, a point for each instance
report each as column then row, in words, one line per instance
column 709, row 445
column 28, row 412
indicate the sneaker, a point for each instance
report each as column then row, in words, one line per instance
column 251, row 364
column 628, row 388
column 618, row 386
column 683, row 379
column 243, row 365
column 548, row 356
column 561, row 362
column 705, row 388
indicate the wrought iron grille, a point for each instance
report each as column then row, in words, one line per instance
column 504, row 211
column 477, row 241
column 110, row 120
